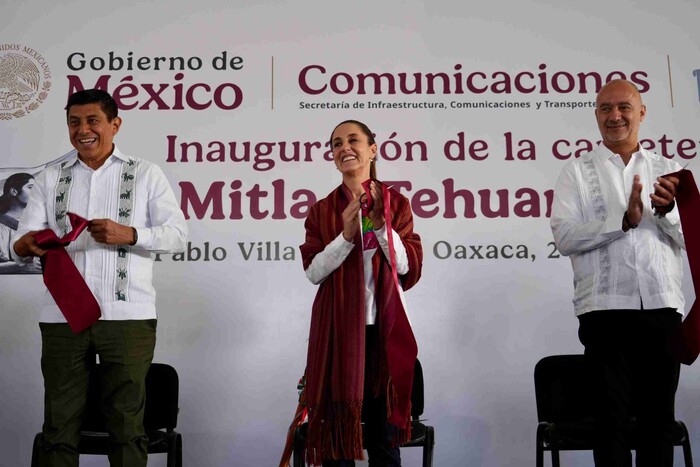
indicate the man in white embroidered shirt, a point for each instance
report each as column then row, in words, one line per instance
column 133, row 212
column 613, row 215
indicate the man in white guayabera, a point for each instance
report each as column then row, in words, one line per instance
column 613, row 215
column 132, row 212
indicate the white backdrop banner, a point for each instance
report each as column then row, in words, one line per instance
column 476, row 108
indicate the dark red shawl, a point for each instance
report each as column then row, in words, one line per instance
column 336, row 354
column 686, row 344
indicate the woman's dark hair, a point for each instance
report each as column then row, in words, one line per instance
column 16, row 181
column 370, row 140
column 94, row 96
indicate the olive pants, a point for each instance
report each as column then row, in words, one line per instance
column 125, row 350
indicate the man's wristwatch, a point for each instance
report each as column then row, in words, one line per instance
column 661, row 211
column 136, row 236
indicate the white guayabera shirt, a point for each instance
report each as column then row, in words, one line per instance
column 128, row 191
column 613, row 269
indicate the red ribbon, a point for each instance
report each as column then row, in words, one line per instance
column 686, row 345
column 401, row 347
column 63, row 280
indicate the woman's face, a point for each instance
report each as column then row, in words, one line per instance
column 352, row 152
column 23, row 194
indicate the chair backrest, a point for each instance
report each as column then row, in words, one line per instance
column 417, row 395
column 162, row 393
column 162, row 397
column 562, row 389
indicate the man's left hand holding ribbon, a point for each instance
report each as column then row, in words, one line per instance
column 112, row 233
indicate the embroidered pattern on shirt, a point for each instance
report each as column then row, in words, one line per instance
column 600, row 210
column 125, row 212
column 369, row 238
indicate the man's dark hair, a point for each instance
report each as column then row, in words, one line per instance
column 94, row 96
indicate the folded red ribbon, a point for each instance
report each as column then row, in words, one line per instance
column 686, row 345
column 63, row 280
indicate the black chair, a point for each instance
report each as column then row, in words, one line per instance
column 160, row 418
column 421, row 435
column 564, row 412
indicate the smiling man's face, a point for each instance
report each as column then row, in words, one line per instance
column 91, row 133
column 619, row 111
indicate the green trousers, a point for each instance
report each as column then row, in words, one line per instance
column 125, row 349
